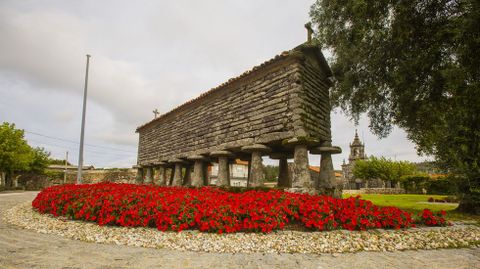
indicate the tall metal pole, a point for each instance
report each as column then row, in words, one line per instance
column 80, row 155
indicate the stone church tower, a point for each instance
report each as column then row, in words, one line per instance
column 357, row 152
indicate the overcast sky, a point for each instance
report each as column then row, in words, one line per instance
column 145, row 55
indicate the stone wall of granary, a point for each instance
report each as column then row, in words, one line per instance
column 315, row 110
column 281, row 99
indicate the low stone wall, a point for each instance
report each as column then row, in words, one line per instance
column 375, row 191
column 37, row 182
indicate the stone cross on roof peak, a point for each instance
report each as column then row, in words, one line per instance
column 155, row 112
column 308, row 25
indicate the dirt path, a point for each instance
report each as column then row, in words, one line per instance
column 26, row 249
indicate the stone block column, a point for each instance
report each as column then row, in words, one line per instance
column 326, row 180
column 302, row 180
column 256, row 175
column 161, row 174
column 223, row 166
column 199, row 170
column 187, row 178
column 172, row 175
column 149, row 175
column 139, row 176
column 284, row 179
column 177, row 173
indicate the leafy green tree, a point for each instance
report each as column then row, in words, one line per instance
column 271, row 173
column 58, row 161
column 40, row 160
column 414, row 64
column 382, row 168
column 15, row 153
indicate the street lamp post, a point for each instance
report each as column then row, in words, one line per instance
column 82, row 132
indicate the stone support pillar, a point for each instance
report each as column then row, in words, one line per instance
column 284, row 180
column 187, row 177
column 149, row 175
column 223, row 166
column 177, row 175
column 206, row 179
column 139, row 177
column 326, row 180
column 301, row 178
column 256, row 175
column 199, row 171
column 172, row 175
column 162, row 175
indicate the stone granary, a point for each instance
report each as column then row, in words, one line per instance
column 278, row 109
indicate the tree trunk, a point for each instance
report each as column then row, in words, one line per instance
column 8, row 179
column 469, row 203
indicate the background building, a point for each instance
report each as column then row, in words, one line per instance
column 357, row 152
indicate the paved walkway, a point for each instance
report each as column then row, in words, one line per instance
column 26, row 249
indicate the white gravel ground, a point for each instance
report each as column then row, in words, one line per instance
column 459, row 235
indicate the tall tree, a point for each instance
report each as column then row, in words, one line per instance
column 40, row 160
column 415, row 64
column 382, row 168
column 15, row 153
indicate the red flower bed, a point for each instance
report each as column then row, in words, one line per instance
column 213, row 210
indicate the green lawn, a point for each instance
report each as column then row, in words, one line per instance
column 413, row 203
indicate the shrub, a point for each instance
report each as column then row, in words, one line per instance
column 414, row 183
column 445, row 185
column 211, row 209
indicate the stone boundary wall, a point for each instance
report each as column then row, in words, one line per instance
column 375, row 191
column 38, row 182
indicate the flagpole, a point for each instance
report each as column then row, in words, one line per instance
column 82, row 132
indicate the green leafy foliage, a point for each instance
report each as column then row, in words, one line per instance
column 382, row 168
column 271, row 173
column 414, row 64
column 17, row 155
column 416, row 183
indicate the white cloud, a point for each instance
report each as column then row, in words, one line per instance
column 145, row 55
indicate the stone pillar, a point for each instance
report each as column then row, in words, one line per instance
column 162, row 177
column 139, row 177
column 326, row 180
column 177, row 179
column 177, row 175
column 301, row 178
column 187, row 178
column 199, row 171
column 149, row 175
column 284, row 180
column 206, row 180
column 248, row 173
column 172, row 175
column 256, row 173
column 223, row 166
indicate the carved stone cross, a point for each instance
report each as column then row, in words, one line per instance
column 155, row 112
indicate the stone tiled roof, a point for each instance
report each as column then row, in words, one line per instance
column 277, row 58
